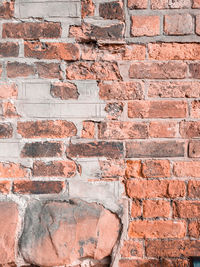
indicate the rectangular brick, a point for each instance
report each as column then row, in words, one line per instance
column 13, row 170
column 122, row 130
column 190, row 129
column 162, row 129
column 158, row 70
column 132, row 248
column 157, row 109
column 156, row 168
column 148, row 149
column 145, row 25
column 95, row 149
column 194, row 229
column 19, row 69
column 186, row 209
column 178, row 24
column 156, row 208
column 187, row 169
column 137, row 4
column 112, row 10
column 9, row 49
column 194, row 189
column 195, row 109
column 194, row 70
column 133, row 169
column 194, row 149
column 112, row 168
column 48, row 70
column 165, row 4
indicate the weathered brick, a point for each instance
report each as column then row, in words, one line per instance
column 149, row 149
column 65, row 51
column 145, row 25
column 54, row 168
column 87, row 8
column 160, row 129
column 137, row 4
column 190, row 129
column 132, row 249
column 37, row 187
column 5, row 187
column 133, row 169
column 122, row 130
column 194, row 149
column 8, row 90
column 121, row 90
column 194, row 229
column 139, row 262
column 157, row 229
column 114, row 110
column 111, row 10
column 142, row 188
column 88, row 130
column 157, row 109
column 179, row 24
column 18, row 69
column 42, row 149
column 64, row 91
column 156, row 168
column 9, row 49
column 9, row 110
column 194, row 189
column 172, row 248
column 174, row 51
column 165, row 4
column 93, row 71
column 6, row 130
column 136, row 208
column 46, row 129
column 6, row 10
column 112, row 168
column 158, row 70
column 95, row 149
column 49, row 70
column 195, row 109
column 196, row 4
column 186, row 209
column 156, row 208
column 13, row 170
column 187, row 168
column 174, row 89
column 194, row 69
column 88, row 32
column 31, row 30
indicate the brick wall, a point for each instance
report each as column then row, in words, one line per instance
column 99, row 133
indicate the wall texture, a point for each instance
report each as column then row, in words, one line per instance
column 99, row 133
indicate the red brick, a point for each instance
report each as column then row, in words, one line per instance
column 132, row 249
column 160, row 129
column 194, row 229
column 64, row 90
column 88, row 32
column 198, row 25
column 6, row 10
column 157, row 229
column 42, row 149
column 186, row 209
column 157, row 109
column 160, row 149
column 174, row 89
column 156, row 208
column 6, row 130
column 134, row 52
column 158, row 70
column 187, row 168
column 194, row 189
column 156, row 168
column 8, row 90
column 49, row 70
column 194, row 149
column 65, row 51
column 137, row 4
column 194, row 69
column 9, row 49
column 9, row 223
column 195, row 109
column 93, row 71
column 87, row 8
column 178, row 24
column 172, row 248
column 88, row 130
column 139, row 262
column 190, row 129
column 121, row 90
column 136, row 208
column 165, row 4
column 31, row 30
column 18, row 69
column 142, row 188
column 112, row 168
column 95, row 149
column 196, row 4
column 13, row 170
column 111, row 10
column 54, row 168
column 46, row 129
column 9, row 110
column 145, row 25
column 37, row 187
column 122, row 130
column 5, row 187
column 133, row 169
column 114, row 110
column 174, row 51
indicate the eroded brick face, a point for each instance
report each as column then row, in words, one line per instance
column 99, row 133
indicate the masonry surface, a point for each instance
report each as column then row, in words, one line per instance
column 99, row 133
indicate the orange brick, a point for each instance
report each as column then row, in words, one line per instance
column 132, row 249
column 88, row 130
column 156, row 208
column 137, row 4
column 145, row 25
column 136, row 209
column 178, row 24
column 159, row 129
column 156, row 168
column 133, row 169
column 186, row 209
column 187, row 169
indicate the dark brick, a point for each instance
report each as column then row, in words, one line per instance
column 9, row 49
column 49, row 70
column 64, row 91
column 18, row 69
column 6, row 130
column 112, row 10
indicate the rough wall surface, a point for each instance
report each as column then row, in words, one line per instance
column 99, row 133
